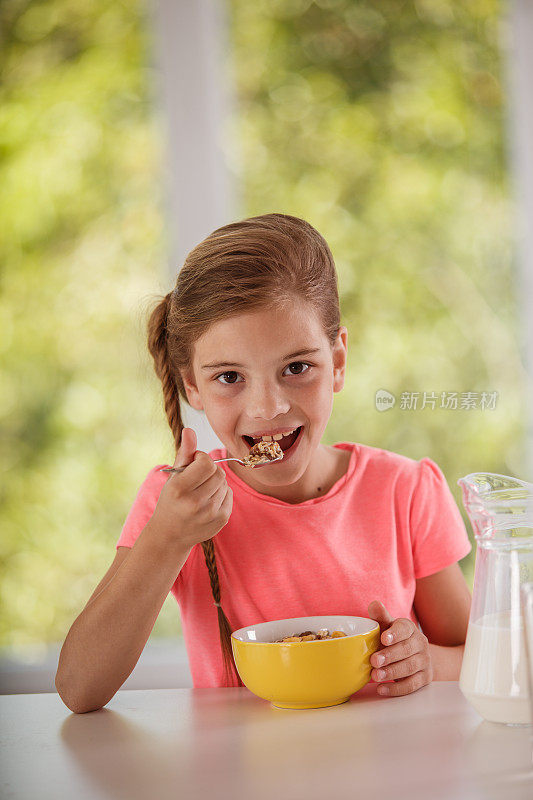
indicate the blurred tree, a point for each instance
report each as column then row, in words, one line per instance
column 382, row 124
column 82, row 248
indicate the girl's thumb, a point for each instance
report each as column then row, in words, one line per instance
column 187, row 448
column 377, row 611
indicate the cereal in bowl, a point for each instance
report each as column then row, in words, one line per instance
column 309, row 636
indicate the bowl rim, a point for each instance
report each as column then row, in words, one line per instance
column 235, row 634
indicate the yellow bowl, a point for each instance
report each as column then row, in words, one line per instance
column 311, row 674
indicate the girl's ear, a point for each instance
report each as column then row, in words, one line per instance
column 191, row 390
column 339, row 355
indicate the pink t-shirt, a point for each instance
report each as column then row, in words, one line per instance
column 386, row 522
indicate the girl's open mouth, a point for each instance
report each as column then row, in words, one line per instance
column 285, row 443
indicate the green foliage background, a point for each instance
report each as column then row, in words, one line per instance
column 382, row 124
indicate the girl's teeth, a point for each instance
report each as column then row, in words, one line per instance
column 276, row 437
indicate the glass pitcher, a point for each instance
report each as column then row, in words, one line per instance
column 494, row 675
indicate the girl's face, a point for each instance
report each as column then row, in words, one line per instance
column 251, row 376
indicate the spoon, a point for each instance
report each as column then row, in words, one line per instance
column 218, row 460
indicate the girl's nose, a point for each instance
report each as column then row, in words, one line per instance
column 267, row 401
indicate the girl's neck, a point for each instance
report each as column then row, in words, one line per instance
column 328, row 466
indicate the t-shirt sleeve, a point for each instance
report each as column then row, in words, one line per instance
column 438, row 533
column 143, row 506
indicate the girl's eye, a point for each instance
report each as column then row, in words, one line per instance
column 299, row 363
column 229, row 383
column 223, row 375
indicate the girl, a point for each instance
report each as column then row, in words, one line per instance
column 251, row 334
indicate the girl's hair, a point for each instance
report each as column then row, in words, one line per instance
column 257, row 263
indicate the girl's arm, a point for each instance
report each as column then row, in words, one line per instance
column 442, row 604
column 105, row 641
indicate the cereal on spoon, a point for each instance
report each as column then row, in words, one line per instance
column 262, row 452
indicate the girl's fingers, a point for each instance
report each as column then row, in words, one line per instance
column 397, row 652
column 401, row 669
column 405, row 685
column 400, row 629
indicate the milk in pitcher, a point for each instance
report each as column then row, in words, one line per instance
column 494, row 675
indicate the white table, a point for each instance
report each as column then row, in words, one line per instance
column 214, row 744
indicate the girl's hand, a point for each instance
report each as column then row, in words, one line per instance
column 194, row 504
column 405, row 659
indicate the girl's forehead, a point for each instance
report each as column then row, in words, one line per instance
column 260, row 333
column 270, row 319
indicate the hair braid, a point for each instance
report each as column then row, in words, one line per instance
column 230, row 670
column 158, row 347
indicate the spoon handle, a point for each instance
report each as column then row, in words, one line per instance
column 216, row 460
